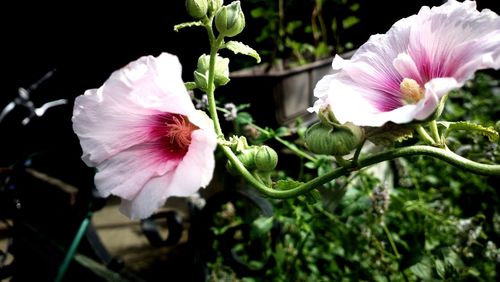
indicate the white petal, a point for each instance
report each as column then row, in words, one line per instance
column 106, row 126
column 152, row 197
column 126, row 173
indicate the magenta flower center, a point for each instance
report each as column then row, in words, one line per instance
column 411, row 90
column 173, row 134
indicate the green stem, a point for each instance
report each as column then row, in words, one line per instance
column 289, row 145
column 435, row 131
column 438, row 153
column 423, row 133
column 215, row 44
column 73, row 248
column 391, row 241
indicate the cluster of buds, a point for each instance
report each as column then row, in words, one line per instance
column 258, row 159
column 229, row 19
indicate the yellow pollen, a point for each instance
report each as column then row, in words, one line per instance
column 411, row 90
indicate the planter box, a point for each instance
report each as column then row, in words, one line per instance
column 277, row 97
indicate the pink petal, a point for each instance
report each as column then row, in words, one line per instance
column 152, row 197
column 126, row 173
column 116, row 116
column 434, row 91
column 455, row 40
column 193, row 172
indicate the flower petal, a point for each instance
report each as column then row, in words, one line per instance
column 434, row 91
column 196, row 168
column 126, row 173
column 455, row 40
column 117, row 115
column 152, row 196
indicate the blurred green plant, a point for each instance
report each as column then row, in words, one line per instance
column 295, row 33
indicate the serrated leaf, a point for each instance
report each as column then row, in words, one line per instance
column 240, row 48
column 287, row 184
column 190, row 85
column 489, row 131
column 389, row 133
column 180, row 26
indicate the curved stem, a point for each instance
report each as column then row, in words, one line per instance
column 438, row 153
column 442, row 154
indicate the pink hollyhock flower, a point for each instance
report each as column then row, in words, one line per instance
column 401, row 76
column 145, row 137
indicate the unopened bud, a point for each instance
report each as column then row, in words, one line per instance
column 247, row 158
column 197, row 8
column 221, row 71
column 266, row 158
column 230, row 19
column 337, row 141
column 214, row 5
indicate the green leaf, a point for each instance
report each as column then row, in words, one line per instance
column 388, row 133
column 190, row 85
column 489, row 131
column 440, row 269
column 263, row 225
column 282, row 131
column 238, row 47
column 244, row 118
column 287, row 184
column 423, row 269
column 349, row 22
column 180, row 26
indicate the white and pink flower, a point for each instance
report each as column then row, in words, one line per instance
column 145, row 137
column 401, row 76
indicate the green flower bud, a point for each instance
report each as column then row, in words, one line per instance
column 266, row 158
column 221, row 71
column 201, row 80
column 337, row 141
column 230, row 19
column 197, row 8
column 247, row 157
column 214, row 5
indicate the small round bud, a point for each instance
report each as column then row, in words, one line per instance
column 266, row 158
column 325, row 139
column 197, row 8
column 221, row 71
column 214, row 5
column 230, row 19
column 247, row 158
